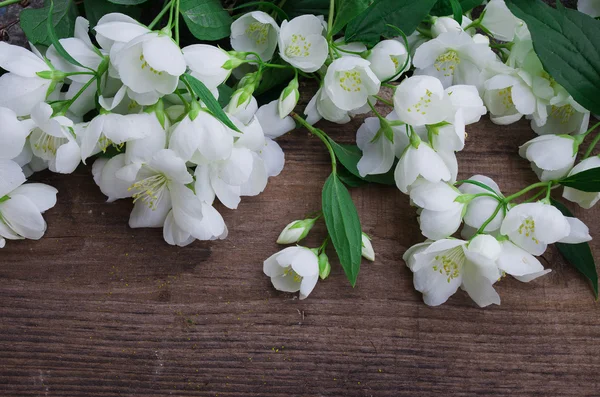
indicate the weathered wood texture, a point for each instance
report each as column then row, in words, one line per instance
column 98, row 309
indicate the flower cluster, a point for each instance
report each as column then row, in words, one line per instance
column 175, row 128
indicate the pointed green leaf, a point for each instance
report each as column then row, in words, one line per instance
column 566, row 41
column 206, row 19
column 586, row 181
column 578, row 255
column 209, row 100
column 55, row 41
column 345, row 11
column 34, row 22
column 343, row 226
column 372, row 23
column 444, row 7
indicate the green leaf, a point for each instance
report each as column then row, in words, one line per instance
column 96, row 9
column 444, row 7
column 349, row 156
column 586, row 181
column 349, row 178
column 209, row 100
column 345, row 11
column 128, row 2
column 282, row 14
column 34, row 22
column 225, row 93
column 372, row 23
column 457, row 11
column 274, row 78
column 566, row 41
column 206, row 19
column 578, row 255
column 343, row 226
column 54, row 39
column 296, row 8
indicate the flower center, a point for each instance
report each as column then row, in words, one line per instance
column 150, row 190
column 258, row 32
column 299, row 47
column 350, row 81
column 450, row 263
column 49, row 144
column 290, row 272
column 506, row 95
column 145, row 65
column 447, row 62
column 527, row 228
column 563, row 113
column 422, row 104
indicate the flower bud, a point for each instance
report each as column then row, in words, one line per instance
column 324, row 266
column 367, row 249
column 295, row 231
column 54, row 75
column 288, row 99
column 232, row 63
column 239, row 100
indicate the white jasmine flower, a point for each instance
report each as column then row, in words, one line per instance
column 203, row 134
column 367, row 251
column 273, row 157
column 552, row 156
column 21, row 205
column 454, row 58
column 211, row 227
column 532, row 226
column 293, row 269
column 296, row 231
column 388, row 58
column 421, row 161
column 590, row 7
column 302, row 44
column 256, row 32
column 23, row 88
column 519, row 263
column 52, row 140
column 499, row 21
column 378, row 151
column 441, row 267
column 584, row 199
column 349, row 82
column 112, row 129
column 441, row 214
column 565, row 116
column 272, row 124
column 421, row 100
column 13, row 134
column 159, row 187
column 480, row 209
column 206, row 63
column 150, row 65
column 466, row 98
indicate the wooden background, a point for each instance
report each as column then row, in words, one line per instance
column 98, row 309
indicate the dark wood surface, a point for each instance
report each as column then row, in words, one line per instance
column 98, row 309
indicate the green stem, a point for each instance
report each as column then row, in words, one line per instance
column 388, row 85
column 324, row 245
column 384, row 101
column 538, row 194
column 8, row 2
column 476, row 183
column 72, row 100
column 169, row 24
column 330, row 20
column 80, row 74
column 321, row 135
column 346, row 51
column 424, row 32
column 160, row 15
column 177, row 21
column 590, row 148
column 491, row 218
column 379, row 116
column 527, row 189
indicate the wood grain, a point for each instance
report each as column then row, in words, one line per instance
column 98, row 309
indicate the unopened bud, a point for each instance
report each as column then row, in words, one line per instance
column 288, row 99
column 324, row 266
column 295, row 231
column 367, row 248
